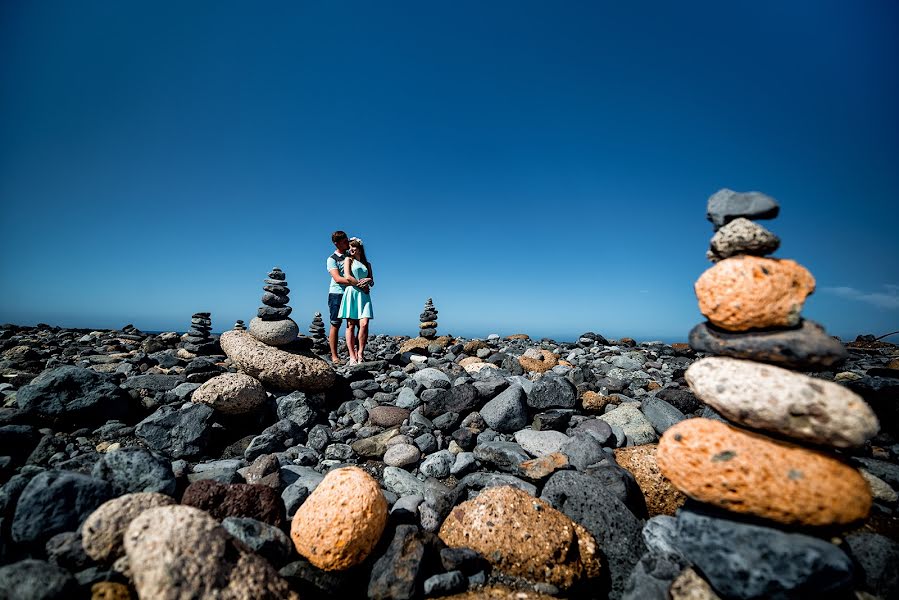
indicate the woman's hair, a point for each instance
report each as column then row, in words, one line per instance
column 360, row 252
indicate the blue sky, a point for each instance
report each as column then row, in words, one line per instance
column 534, row 167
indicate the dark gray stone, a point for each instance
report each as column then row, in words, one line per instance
column 398, row 573
column 583, row 450
column 54, row 502
column 75, row 394
column 265, row 540
column 617, row 531
column 271, row 313
column 652, row 577
column 805, row 348
column 680, row 398
column 877, row 557
column 178, row 432
column 552, row 391
column 726, row 205
column 505, row 456
column 131, row 470
column 742, row 560
column 296, row 407
column 65, row 550
column 36, row 580
column 507, row 412
column 153, row 382
column 445, row 583
column 661, row 414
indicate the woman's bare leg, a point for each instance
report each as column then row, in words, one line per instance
column 351, row 338
column 363, row 338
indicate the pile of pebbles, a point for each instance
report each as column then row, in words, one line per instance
column 272, row 324
column 198, row 340
column 428, row 321
column 239, row 325
column 318, row 335
column 495, row 467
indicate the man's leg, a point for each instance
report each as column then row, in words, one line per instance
column 334, row 333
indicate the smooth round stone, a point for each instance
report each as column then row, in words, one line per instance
column 748, row 292
column 807, row 348
column 523, row 536
column 277, row 274
column 428, row 325
column 726, row 205
column 401, row 455
column 273, row 313
column 387, row 416
column 275, row 300
column 104, row 530
column 274, row 282
column 749, row 473
column 231, row 393
column 541, row 443
column 271, row 366
column 775, row 399
column 742, row 236
column 340, row 523
column 428, row 333
column 274, row 333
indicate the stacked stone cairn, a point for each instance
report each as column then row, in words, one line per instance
column 239, row 325
column 428, row 326
column 317, row 331
column 775, row 463
column 198, row 339
column 272, row 325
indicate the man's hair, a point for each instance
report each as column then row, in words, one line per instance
column 337, row 236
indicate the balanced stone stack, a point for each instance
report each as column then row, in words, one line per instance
column 428, row 325
column 239, row 325
column 317, row 331
column 198, row 339
column 272, row 324
column 795, row 478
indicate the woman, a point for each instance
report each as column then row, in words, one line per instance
column 356, row 304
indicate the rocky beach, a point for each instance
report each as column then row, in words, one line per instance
column 759, row 460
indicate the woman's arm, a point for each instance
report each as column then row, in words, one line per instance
column 348, row 272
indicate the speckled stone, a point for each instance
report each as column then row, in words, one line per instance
column 594, row 401
column 231, row 393
column 222, row 500
column 104, row 530
column 182, row 552
column 775, row 399
column 110, row 590
column 401, row 455
column 537, row 365
column 742, row 236
column 340, row 523
column 748, row 292
column 745, row 472
column 387, row 416
column 662, row 498
column 523, row 536
column 282, row 370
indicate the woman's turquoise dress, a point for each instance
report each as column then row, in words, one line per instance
column 356, row 304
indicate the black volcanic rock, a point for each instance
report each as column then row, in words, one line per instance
column 76, row 394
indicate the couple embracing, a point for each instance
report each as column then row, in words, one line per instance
column 348, row 296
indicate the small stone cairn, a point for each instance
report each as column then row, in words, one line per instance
column 239, row 325
column 317, row 331
column 428, row 326
column 198, row 338
column 791, row 479
column 272, row 324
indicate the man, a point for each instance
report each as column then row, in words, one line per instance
column 335, row 290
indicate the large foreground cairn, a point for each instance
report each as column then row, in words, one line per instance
column 272, row 324
column 794, row 478
column 428, row 321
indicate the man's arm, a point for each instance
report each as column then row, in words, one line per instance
column 335, row 274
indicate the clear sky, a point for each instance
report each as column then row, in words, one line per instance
column 536, row 167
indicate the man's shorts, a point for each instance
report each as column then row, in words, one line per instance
column 334, row 308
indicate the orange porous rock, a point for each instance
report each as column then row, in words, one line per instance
column 750, row 473
column 549, row 361
column 748, row 292
column 338, row 526
column 662, row 498
column 523, row 536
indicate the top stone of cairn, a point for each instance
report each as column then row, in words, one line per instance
column 726, row 205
